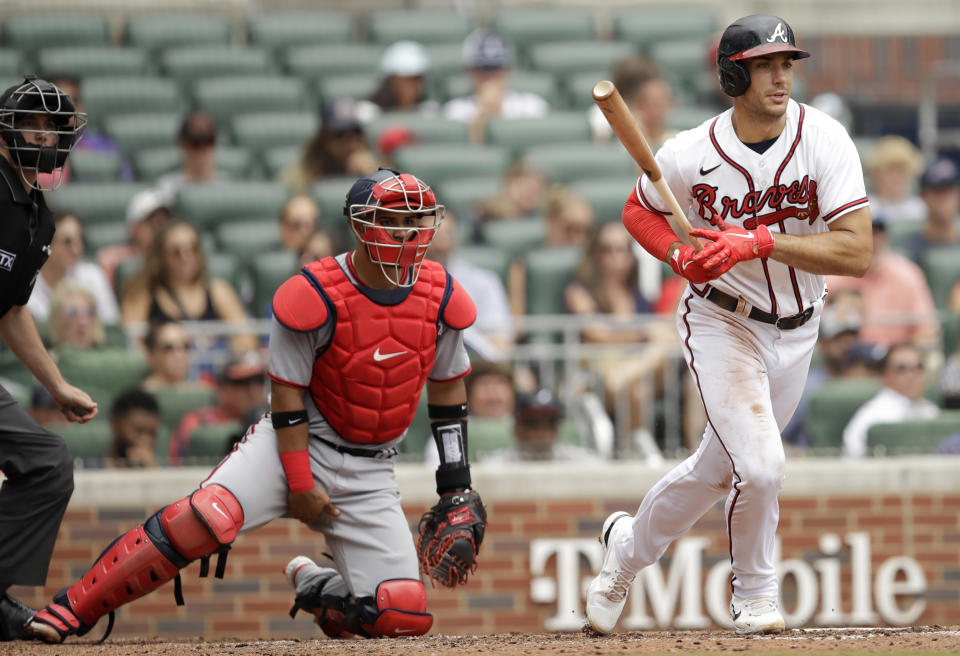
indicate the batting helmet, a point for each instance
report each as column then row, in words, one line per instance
column 35, row 96
column 395, row 248
column 751, row 36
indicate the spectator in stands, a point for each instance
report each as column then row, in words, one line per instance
column 522, row 196
column 197, row 141
column 940, row 191
column 489, row 58
column 337, row 149
column 536, row 431
column 897, row 303
column 893, row 166
column 404, row 67
column 134, row 425
column 490, row 390
column 241, row 397
column 900, row 399
column 318, row 246
column 168, row 350
column 147, row 213
column 298, row 220
column 65, row 263
column 173, row 285
column 647, row 94
column 492, row 336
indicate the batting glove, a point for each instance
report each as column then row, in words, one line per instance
column 685, row 265
column 733, row 245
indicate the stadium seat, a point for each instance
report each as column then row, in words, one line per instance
column 413, row 444
column 104, row 97
column 151, row 163
column 515, row 237
column 488, row 435
column 90, row 61
column 101, row 202
column 486, row 257
column 187, row 63
column 249, row 237
column 543, row 84
column 568, row 163
column 281, row 29
column 175, row 402
column 109, row 370
column 267, row 130
column 11, row 63
column 211, row 443
column 682, row 61
column 461, row 195
column 831, row 407
column 226, row 266
column 269, row 271
column 438, row 162
column 94, row 166
column 206, row 205
column 950, row 329
column 900, row 232
column 225, row 97
column 579, row 56
column 316, row 62
column 526, row 26
column 277, row 160
column 98, row 235
column 518, row 134
column 650, row 25
column 607, row 196
column 125, row 272
column 916, row 436
column 135, row 132
column 548, row 272
column 687, row 117
column 90, row 441
column 423, row 25
column 355, row 85
column 331, row 194
column 32, row 32
column 16, row 378
column 942, row 268
column 425, row 129
column 445, row 59
column 578, row 87
column 161, row 30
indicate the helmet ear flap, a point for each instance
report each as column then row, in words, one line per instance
column 734, row 77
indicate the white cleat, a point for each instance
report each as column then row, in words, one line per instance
column 759, row 615
column 607, row 593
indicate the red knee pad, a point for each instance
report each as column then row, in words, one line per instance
column 199, row 524
column 402, row 604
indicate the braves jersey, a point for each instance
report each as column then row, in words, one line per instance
column 809, row 177
column 293, row 354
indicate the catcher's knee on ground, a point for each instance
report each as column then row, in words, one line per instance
column 397, row 608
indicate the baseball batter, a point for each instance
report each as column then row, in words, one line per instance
column 354, row 340
column 775, row 190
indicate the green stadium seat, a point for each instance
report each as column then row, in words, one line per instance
column 94, row 166
column 567, row 163
column 90, row 61
column 488, row 435
column 515, row 237
column 682, row 61
column 521, row 133
column 282, row 29
column 206, row 205
column 900, row 232
column 919, row 436
column 579, row 56
column 175, row 402
column 277, row 160
column 269, row 271
column 427, row 129
column 247, row 238
column 11, row 63
column 35, row 31
column 316, row 62
column 149, row 164
column 98, row 235
column 187, row 63
column 942, row 268
column 415, row 441
column 650, row 25
column 578, row 88
column 356, row 85
column 109, row 370
column 225, row 266
column 460, row 196
column 548, row 272
column 687, row 117
column 950, row 329
column 125, row 272
column 445, row 59
column 211, row 443
column 607, row 196
column 100, row 202
column 493, row 259
column 90, row 441
column 423, row 25
column 264, row 130
column 225, row 97
column 331, row 194
column 438, row 162
column 525, row 26
column 543, row 84
column 135, row 132
column 162, row 30
column 108, row 96
column 831, row 407
column 12, row 370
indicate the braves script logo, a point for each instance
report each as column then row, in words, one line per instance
column 7, row 259
column 778, row 33
column 798, row 193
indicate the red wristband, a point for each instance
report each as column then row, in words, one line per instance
column 296, row 464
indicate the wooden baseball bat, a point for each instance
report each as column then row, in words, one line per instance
column 625, row 126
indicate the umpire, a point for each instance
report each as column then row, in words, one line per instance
column 39, row 126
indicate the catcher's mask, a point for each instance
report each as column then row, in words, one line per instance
column 395, row 216
column 37, row 97
column 748, row 37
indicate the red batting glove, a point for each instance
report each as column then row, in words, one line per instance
column 684, row 264
column 733, row 245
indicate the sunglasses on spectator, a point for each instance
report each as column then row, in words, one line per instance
column 903, row 366
column 175, row 346
column 182, row 249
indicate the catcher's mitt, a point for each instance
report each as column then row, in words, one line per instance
column 450, row 536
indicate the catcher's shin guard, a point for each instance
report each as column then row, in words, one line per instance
column 142, row 560
column 399, row 608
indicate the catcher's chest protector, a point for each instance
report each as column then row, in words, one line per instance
column 367, row 382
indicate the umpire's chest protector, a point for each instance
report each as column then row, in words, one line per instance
column 367, row 381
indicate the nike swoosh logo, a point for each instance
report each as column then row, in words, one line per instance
column 736, row 614
column 702, row 172
column 380, row 357
column 217, row 508
column 294, row 422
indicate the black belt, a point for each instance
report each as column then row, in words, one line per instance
column 379, row 454
column 733, row 304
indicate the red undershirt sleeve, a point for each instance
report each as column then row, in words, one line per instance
column 650, row 229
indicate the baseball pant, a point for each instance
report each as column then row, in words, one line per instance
column 34, row 496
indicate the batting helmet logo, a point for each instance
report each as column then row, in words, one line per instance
column 748, row 37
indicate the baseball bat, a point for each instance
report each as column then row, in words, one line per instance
column 625, row 126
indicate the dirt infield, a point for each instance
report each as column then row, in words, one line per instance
column 929, row 639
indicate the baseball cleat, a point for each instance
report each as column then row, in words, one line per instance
column 55, row 622
column 607, row 593
column 14, row 616
column 759, row 615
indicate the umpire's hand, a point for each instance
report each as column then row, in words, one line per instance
column 75, row 404
column 310, row 506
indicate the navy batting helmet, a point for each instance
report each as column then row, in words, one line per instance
column 751, row 36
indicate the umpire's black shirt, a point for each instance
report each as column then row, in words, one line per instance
column 26, row 230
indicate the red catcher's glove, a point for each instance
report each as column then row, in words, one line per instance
column 685, row 264
column 733, row 245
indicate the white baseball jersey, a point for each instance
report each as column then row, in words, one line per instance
column 809, row 177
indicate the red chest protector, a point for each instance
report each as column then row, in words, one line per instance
column 367, row 381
